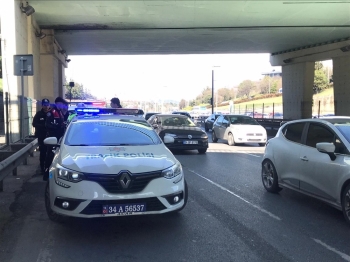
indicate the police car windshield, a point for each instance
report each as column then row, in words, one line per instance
column 105, row 133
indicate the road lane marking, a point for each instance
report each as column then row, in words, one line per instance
column 227, row 190
column 230, row 151
column 343, row 256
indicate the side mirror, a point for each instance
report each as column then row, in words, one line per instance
column 327, row 148
column 50, row 141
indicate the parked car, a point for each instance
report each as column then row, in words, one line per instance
column 149, row 114
column 237, row 129
column 112, row 165
column 184, row 113
column 275, row 115
column 208, row 123
column 311, row 156
column 179, row 132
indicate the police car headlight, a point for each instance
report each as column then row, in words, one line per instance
column 68, row 175
column 205, row 136
column 174, row 171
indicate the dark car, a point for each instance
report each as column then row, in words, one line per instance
column 184, row 113
column 179, row 132
column 208, row 123
column 149, row 114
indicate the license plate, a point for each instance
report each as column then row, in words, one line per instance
column 124, row 209
column 190, row 142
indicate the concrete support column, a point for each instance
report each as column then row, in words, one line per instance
column 297, row 83
column 52, row 64
column 341, row 84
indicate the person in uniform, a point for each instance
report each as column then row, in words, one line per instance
column 38, row 123
column 55, row 126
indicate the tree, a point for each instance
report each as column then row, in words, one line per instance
column 321, row 81
column 77, row 92
column 182, row 104
column 245, row 88
column 225, row 94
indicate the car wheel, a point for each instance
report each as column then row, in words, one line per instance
column 206, row 128
column 202, row 150
column 230, row 140
column 346, row 203
column 213, row 137
column 185, row 199
column 269, row 177
column 262, row 144
column 50, row 213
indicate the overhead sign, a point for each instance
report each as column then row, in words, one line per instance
column 23, row 65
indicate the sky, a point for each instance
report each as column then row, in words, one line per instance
column 175, row 77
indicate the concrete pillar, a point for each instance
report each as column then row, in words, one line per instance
column 297, row 83
column 52, row 64
column 341, row 85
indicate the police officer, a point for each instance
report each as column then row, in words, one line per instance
column 39, row 121
column 55, row 126
column 115, row 103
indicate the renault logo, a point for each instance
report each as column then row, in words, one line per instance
column 189, row 137
column 125, row 180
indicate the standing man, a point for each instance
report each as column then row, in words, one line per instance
column 39, row 121
column 115, row 103
column 55, row 127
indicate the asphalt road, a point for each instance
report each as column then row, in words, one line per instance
column 229, row 217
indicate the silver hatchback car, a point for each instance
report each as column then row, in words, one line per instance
column 311, row 156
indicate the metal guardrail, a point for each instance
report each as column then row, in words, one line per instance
column 15, row 159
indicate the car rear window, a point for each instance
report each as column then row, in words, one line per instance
column 105, row 133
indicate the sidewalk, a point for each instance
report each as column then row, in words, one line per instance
column 13, row 186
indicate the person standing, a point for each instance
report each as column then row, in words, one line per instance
column 115, row 103
column 55, row 127
column 38, row 123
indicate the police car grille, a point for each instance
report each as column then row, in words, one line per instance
column 112, row 184
column 95, row 206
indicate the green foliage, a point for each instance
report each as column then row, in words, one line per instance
column 77, row 92
column 320, row 80
column 245, row 88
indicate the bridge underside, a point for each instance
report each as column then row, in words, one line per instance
column 192, row 27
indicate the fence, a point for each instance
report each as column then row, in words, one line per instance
column 10, row 122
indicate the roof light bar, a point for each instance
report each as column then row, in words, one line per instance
column 104, row 111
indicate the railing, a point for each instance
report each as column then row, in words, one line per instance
column 13, row 156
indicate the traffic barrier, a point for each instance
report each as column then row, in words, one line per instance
column 13, row 156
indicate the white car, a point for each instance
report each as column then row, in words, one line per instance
column 112, row 165
column 311, row 156
column 238, row 129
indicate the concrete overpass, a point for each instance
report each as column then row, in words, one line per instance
column 296, row 33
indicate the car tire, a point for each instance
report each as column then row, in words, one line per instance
column 206, row 128
column 262, row 144
column 185, row 200
column 213, row 137
column 345, row 202
column 269, row 177
column 230, row 140
column 202, row 150
column 50, row 213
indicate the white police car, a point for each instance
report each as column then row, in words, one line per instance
column 112, row 165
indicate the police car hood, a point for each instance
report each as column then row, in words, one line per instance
column 112, row 159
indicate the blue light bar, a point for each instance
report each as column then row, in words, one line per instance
column 106, row 111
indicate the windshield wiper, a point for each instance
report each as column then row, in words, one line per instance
column 81, row 145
